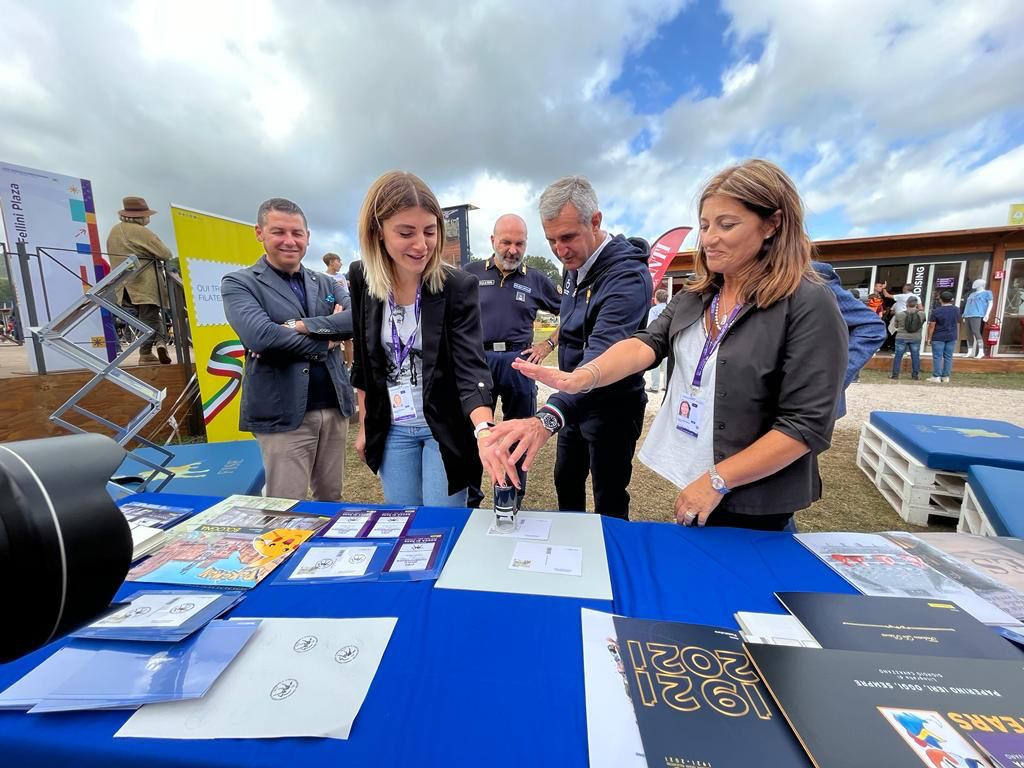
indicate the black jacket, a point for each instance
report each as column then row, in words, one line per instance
column 778, row 368
column 456, row 380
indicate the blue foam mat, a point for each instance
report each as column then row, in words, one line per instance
column 999, row 492
column 953, row 443
column 204, row 469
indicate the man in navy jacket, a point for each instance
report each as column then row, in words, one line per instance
column 606, row 293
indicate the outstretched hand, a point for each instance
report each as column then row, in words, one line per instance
column 552, row 377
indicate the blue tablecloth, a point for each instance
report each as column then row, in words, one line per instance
column 203, row 469
column 469, row 678
column 953, row 443
column 999, row 492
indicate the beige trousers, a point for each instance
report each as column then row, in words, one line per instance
column 309, row 458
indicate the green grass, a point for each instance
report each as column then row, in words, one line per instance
column 994, row 380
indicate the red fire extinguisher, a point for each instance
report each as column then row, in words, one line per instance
column 992, row 338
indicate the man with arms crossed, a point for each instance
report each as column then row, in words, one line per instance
column 296, row 396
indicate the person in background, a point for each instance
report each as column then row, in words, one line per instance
column 147, row 290
column 881, row 302
column 606, row 294
column 658, row 372
column 943, row 333
column 333, row 263
column 296, row 395
column 423, row 386
column 757, row 351
column 907, row 327
column 977, row 309
column 866, row 331
column 900, row 299
column 511, row 294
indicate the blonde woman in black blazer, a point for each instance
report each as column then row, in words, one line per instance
column 419, row 372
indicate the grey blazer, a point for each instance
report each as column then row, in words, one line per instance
column 275, row 385
column 778, row 368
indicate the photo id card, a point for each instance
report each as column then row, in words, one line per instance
column 402, row 406
column 688, row 414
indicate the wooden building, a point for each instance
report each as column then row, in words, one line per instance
column 931, row 262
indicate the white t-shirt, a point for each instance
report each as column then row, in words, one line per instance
column 678, row 457
column 411, row 373
column 901, row 302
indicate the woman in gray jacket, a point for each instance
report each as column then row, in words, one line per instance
column 756, row 349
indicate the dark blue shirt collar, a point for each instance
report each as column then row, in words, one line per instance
column 285, row 275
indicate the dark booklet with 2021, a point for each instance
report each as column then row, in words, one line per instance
column 697, row 699
column 923, row 626
column 851, row 709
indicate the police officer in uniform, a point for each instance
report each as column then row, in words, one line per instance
column 510, row 296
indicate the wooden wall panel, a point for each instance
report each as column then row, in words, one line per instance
column 26, row 402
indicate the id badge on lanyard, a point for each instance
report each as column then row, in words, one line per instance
column 403, row 408
column 692, row 404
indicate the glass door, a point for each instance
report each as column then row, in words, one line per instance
column 1011, row 334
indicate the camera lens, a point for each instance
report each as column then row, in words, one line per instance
column 65, row 547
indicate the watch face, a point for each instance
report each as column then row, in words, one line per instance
column 550, row 422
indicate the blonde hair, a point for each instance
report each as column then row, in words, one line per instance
column 392, row 193
column 785, row 258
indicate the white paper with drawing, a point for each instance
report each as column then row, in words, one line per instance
column 295, row 677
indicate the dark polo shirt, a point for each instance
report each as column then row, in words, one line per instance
column 509, row 303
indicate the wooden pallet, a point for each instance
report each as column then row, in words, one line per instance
column 912, row 489
column 972, row 517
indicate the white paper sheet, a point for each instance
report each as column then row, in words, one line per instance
column 534, row 528
column 325, row 562
column 613, row 736
column 413, row 556
column 347, row 526
column 480, row 562
column 547, row 558
column 774, row 629
column 295, row 677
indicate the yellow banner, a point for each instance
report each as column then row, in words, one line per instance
column 1016, row 213
column 209, row 247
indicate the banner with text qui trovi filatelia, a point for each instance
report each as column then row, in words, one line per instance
column 210, row 246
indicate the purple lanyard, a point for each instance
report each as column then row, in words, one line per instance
column 711, row 345
column 401, row 353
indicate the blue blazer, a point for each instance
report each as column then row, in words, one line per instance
column 275, row 384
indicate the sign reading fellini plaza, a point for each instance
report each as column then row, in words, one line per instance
column 209, row 247
column 55, row 213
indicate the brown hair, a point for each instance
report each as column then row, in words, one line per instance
column 393, row 192
column 762, row 188
column 329, row 257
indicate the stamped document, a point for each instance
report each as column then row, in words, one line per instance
column 328, row 562
column 296, row 677
column 547, row 558
column 414, row 553
column 350, row 524
column 167, row 609
column 391, row 524
column 534, row 528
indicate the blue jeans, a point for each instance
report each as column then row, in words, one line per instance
column 942, row 357
column 902, row 345
column 412, row 472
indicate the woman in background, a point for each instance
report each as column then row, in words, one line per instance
column 423, row 386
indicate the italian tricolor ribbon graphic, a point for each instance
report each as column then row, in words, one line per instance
column 225, row 360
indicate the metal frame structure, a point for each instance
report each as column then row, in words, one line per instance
column 103, row 296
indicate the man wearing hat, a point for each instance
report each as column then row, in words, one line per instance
column 147, row 290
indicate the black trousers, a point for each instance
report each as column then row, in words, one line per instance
column 518, row 396
column 600, row 443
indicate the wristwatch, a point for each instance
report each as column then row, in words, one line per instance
column 482, row 427
column 549, row 420
column 290, row 324
column 717, row 482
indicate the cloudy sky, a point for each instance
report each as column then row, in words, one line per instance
column 891, row 116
